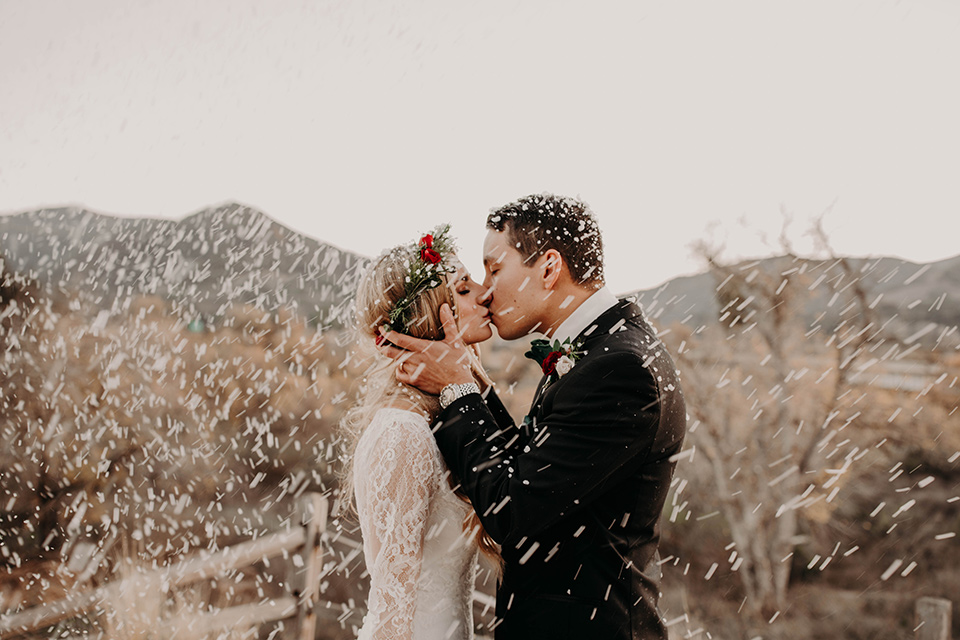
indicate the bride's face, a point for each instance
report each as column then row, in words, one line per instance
column 473, row 318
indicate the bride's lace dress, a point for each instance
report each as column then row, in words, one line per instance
column 421, row 563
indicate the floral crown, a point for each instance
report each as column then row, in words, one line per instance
column 428, row 261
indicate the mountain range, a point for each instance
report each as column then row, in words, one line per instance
column 233, row 253
column 908, row 297
column 204, row 263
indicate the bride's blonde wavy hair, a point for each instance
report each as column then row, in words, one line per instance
column 381, row 287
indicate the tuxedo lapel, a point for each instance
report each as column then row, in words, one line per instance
column 528, row 421
column 609, row 321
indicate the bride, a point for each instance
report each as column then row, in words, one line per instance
column 420, row 536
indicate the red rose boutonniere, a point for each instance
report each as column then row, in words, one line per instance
column 557, row 359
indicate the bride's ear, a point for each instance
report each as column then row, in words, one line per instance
column 550, row 268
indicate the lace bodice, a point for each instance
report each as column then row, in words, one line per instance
column 420, row 561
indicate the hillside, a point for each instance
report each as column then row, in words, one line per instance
column 203, row 263
column 913, row 298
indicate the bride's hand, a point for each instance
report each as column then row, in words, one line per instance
column 430, row 365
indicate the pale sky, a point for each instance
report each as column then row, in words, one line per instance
column 364, row 124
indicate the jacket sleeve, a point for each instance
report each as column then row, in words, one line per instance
column 603, row 420
column 497, row 409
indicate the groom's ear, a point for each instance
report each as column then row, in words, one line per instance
column 551, row 266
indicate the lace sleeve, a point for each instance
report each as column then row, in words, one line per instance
column 396, row 475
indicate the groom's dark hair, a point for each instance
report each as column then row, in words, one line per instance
column 537, row 223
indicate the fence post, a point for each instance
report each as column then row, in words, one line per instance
column 312, row 515
column 933, row 619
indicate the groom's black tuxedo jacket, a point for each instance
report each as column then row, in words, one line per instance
column 575, row 498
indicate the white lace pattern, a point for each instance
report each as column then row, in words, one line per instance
column 420, row 561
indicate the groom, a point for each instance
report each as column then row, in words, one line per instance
column 574, row 494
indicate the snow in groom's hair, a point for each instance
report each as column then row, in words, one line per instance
column 537, row 223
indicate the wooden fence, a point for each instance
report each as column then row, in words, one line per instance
column 300, row 605
column 934, row 616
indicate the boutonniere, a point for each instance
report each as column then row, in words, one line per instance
column 557, row 359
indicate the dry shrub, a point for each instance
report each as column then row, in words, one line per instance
column 133, row 428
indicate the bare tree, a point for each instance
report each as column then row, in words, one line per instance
column 769, row 396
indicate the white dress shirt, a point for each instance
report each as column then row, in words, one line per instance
column 584, row 315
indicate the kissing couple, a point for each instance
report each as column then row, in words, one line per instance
column 566, row 503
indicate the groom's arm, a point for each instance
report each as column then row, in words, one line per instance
column 498, row 410
column 491, row 419
column 604, row 421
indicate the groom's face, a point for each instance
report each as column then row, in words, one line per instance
column 514, row 294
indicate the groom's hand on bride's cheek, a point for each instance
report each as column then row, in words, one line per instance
column 411, row 357
column 431, row 365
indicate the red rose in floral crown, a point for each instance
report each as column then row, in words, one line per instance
column 427, row 254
